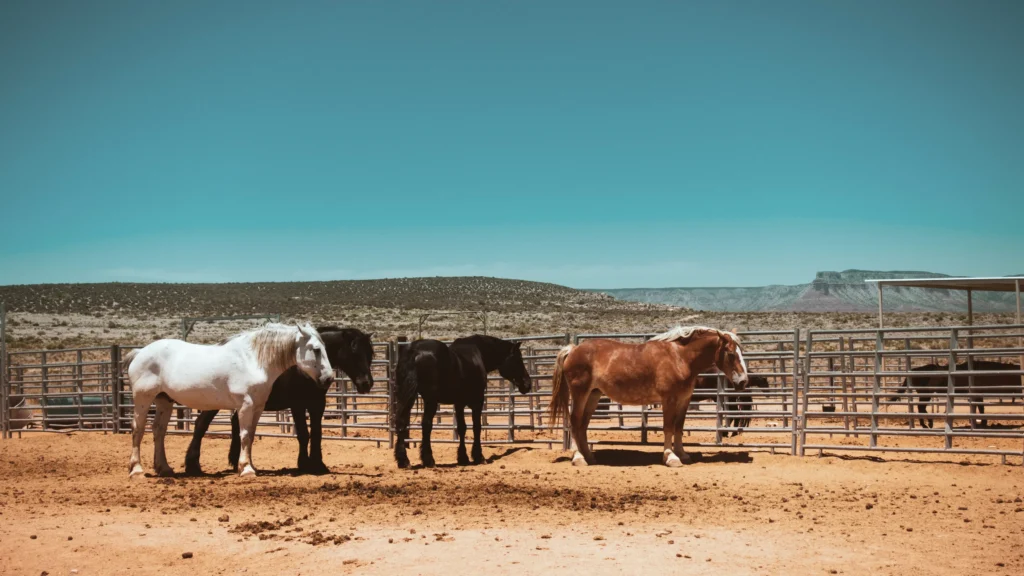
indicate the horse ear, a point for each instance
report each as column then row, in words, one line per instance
column 370, row 336
column 518, row 345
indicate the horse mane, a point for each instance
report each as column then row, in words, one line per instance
column 274, row 344
column 681, row 332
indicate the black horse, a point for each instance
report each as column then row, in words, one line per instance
column 706, row 388
column 455, row 374
column 349, row 350
column 928, row 386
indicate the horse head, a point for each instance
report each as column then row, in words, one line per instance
column 311, row 356
column 514, row 370
column 729, row 359
column 355, row 358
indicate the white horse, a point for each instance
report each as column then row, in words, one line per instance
column 236, row 374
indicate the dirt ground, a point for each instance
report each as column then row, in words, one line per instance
column 67, row 507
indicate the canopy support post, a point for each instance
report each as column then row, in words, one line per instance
column 880, row 306
column 1020, row 340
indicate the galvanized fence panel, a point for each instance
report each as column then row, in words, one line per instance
column 774, row 355
column 4, row 410
column 867, row 371
column 831, row 390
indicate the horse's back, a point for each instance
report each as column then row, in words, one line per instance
column 195, row 375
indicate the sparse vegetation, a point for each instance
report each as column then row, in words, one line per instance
column 65, row 316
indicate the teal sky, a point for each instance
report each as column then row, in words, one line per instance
column 593, row 144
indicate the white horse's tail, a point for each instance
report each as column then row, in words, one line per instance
column 126, row 360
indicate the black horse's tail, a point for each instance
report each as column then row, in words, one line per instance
column 414, row 369
column 903, row 388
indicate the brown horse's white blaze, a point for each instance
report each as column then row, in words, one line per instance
column 662, row 370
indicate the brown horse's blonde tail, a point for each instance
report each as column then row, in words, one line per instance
column 559, row 407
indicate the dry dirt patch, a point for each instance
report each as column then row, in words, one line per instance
column 66, row 504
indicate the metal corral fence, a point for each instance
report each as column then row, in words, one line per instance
column 958, row 374
column 826, row 390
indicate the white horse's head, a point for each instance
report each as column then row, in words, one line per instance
column 311, row 356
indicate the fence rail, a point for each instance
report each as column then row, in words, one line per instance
column 827, row 390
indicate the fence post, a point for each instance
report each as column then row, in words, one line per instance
column 115, row 385
column 797, row 425
column 876, row 386
column 4, row 423
column 785, row 386
column 44, row 377
column 951, row 387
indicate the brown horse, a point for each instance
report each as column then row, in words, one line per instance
column 662, row 370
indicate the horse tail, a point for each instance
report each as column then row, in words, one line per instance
column 903, row 388
column 559, row 407
column 126, row 360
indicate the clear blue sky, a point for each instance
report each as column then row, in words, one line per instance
column 592, row 144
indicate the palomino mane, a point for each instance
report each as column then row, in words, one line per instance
column 680, row 332
column 274, row 344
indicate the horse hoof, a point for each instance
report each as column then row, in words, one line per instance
column 165, row 472
column 136, row 473
column 670, row 459
column 315, row 468
column 579, row 460
column 463, row 459
column 193, row 471
column 403, row 463
column 248, row 472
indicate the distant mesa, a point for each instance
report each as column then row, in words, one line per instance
column 830, row 291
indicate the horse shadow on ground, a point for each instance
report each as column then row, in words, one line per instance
column 489, row 460
column 638, row 458
column 279, row 473
column 881, row 460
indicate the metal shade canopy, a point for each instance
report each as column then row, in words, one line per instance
column 1004, row 284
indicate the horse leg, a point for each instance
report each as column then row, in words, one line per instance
column 236, row 442
column 460, row 426
column 164, row 408
column 478, row 453
column 203, row 421
column 316, row 457
column 922, row 408
column 138, row 431
column 583, row 407
column 299, row 418
column 248, row 417
column 980, row 403
column 403, row 412
column 677, row 433
column 426, row 454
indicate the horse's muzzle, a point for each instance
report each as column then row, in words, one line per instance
column 326, row 380
column 363, row 385
column 525, row 386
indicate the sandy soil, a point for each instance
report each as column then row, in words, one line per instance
column 66, row 504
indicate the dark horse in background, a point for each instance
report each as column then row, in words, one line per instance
column 928, row 386
column 452, row 374
column 348, row 350
column 707, row 387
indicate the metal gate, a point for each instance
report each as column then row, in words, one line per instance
column 962, row 371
